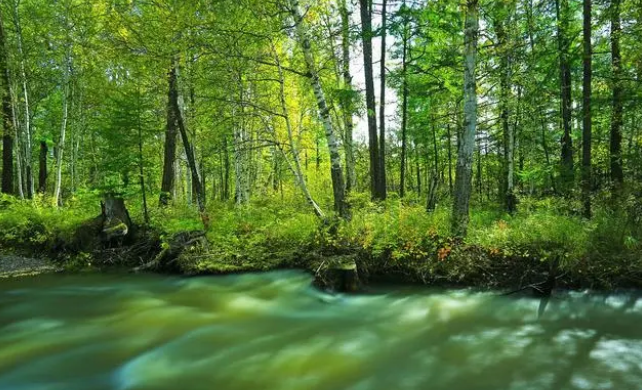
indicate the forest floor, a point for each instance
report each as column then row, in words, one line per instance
column 392, row 241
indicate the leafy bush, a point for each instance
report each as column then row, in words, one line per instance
column 36, row 222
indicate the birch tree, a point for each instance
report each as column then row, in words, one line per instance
column 336, row 171
column 65, row 87
column 382, row 103
column 347, row 101
column 296, row 166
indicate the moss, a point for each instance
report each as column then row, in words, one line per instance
column 119, row 229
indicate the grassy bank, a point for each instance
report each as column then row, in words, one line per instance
column 395, row 240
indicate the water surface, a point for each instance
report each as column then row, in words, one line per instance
column 273, row 331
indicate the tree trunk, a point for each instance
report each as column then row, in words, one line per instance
column 75, row 142
column 241, row 146
column 116, row 223
column 191, row 160
column 63, row 127
column 141, row 166
column 296, row 169
column 417, row 169
column 7, row 117
column 463, row 179
column 42, row 174
column 517, row 133
column 617, row 176
column 563, row 15
column 586, row 111
column 450, row 159
column 382, row 105
column 433, row 186
column 480, row 172
column 28, row 168
column 506, row 189
column 336, row 171
column 19, row 152
column 510, row 199
column 347, row 105
column 366, row 37
column 169, row 158
column 404, row 109
column 318, row 152
column 226, row 170
column 241, row 191
column 178, row 190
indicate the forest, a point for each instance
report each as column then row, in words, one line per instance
column 470, row 142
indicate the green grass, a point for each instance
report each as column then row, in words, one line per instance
column 273, row 232
column 37, row 222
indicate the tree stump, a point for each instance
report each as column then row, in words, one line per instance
column 113, row 227
column 338, row 273
column 116, row 223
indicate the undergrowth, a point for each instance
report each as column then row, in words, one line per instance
column 274, row 232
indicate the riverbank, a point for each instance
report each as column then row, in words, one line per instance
column 17, row 266
column 393, row 241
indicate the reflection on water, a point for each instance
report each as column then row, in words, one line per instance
column 273, row 331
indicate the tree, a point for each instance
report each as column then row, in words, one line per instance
column 405, row 38
column 171, row 132
column 296, row 168
column 586, row 110
column 617, row 176
column 382, row 104
column 347, row 99
column 26, row 122
column 365, row 7
column 336, row 172
column 60, row 147
column 189, row 152
column 7, row 116
column 463, row 178
column 563, row 15
column 503, row 14
column 42, row 171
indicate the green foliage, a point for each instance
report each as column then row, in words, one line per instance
column 389, row 237
column 259, row 235
column 543, row 234
column 35, row 224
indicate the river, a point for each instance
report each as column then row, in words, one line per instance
column 274, row 331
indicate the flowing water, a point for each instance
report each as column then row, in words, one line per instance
column 274, row 331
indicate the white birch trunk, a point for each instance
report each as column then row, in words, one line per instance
column 351, row 176
column 63, row 126
column 296, row 169
column 336, row 171
column 241, row 163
